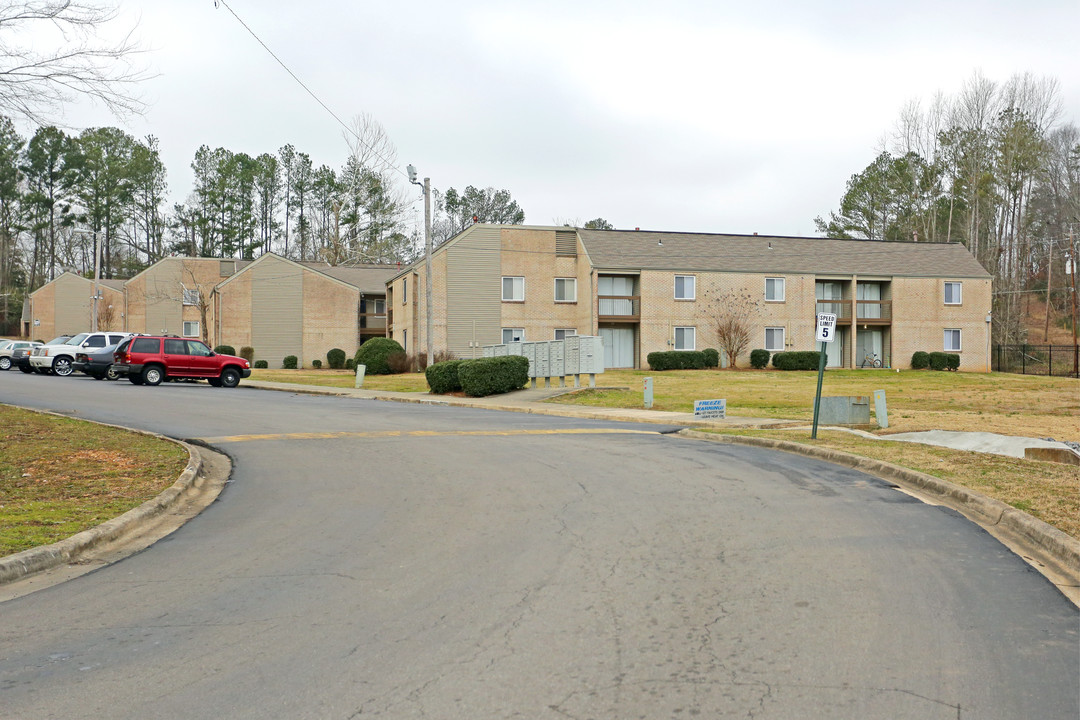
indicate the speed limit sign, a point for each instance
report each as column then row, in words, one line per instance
column 826, row 327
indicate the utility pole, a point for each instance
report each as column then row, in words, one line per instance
column 1073, row 268
column 430, row 330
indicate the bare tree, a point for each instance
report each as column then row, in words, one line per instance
column 731, row 314
column 53, row 51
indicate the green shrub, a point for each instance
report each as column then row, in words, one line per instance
column 490, row 376
column 317, row 364
column 374, row 352
column 712, row 357
column 350, row 364
column 938, row 361
column 225, row 350
column 247, row 352
column 443, row 377
column 952, row 361
column 797, row 360
column 920, row 360
column 261, row 364
column 335, row 359
column 759, row 359
column 289, row 363
column 677, row 360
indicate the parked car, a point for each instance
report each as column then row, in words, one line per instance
column 149, row 359
column 58, row 357
column 8, row 348
column 98, row 364
column 20, row 358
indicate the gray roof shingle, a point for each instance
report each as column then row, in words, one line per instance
column 646, row 250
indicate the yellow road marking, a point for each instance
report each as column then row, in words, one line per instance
column 420, row 433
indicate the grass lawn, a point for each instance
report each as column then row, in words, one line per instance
column 60, row 476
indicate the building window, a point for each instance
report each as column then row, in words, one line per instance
column 774, row 289
column 191, row 297
column 404, row 290
column 510, row 335
column 405, row 340
column 513, row 289
column 774, row 339
column 378, row 307
column 954, row 294
column 565, row 290
column 685, row 338
column 563, row 333
column 952, row 340
column 191, row 328
column 684, row 287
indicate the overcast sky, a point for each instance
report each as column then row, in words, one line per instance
column 681, row 116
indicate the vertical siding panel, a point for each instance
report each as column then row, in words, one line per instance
column 277, row 311
column 473, row 291
column 71, row 307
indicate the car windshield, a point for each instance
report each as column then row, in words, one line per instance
column 59, row 340
column 77, row 340
column 6, row 344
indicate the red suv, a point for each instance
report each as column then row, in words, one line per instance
column 147, row 360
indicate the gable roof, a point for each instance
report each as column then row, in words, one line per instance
column 370, row 279
column 648, row 250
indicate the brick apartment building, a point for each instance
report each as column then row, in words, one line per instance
column 647, row 291
column 65, row 306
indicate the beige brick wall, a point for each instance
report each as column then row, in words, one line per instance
column 65, row 306
column 530, row 253
column 330, row 317
column 921, row 318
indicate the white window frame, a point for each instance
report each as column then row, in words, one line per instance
column 379, row 306
column 783, row 338
column 573, row 287
column 959, row 296
column 776, row 281
column 693, row 287
column 566, row 332
column 191, row 323
column 959, row 340
column 520, row 332
column 513, row 288
column 693, row 337
column 191, row 297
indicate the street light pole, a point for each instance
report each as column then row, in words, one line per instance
column 430, row 330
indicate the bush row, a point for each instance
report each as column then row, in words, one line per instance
column 480, row 377
column 677, row 360
column 797, row 360
column 935, row 361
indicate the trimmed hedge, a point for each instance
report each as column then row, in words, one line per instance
column 335, row 359
column 247, row 352
column 289, row 363
column 443, row 377
column 712, row 357
column 952, row 361
column 317, row 364
column 491, row 376
column 797, row 360
column 920, row 360
column 350, row 364
column 677, row 360
column 374, row 352
column 759, row 359
column 225, row 350
column 261, row 364
column 938, row 361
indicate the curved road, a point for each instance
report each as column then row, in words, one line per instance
column 375, row 559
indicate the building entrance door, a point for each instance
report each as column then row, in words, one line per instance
column 618, row 347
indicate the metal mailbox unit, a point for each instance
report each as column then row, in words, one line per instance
column 575, row 355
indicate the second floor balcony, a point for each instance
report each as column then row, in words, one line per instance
column 618, row 308
column 868, row 312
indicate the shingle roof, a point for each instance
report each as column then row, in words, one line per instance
column 368, row 278
column 645, row 250
column 114, row 284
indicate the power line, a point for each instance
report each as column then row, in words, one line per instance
column 309, row 90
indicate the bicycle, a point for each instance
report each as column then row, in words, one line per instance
column 871, row 359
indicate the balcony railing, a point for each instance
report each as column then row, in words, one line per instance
column 618, row 308
column 373, row 322
column 840, row 308
column 866, row 311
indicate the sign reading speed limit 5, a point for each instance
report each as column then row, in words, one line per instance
column 826, row 327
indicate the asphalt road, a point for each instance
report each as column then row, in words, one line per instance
column 405, row 561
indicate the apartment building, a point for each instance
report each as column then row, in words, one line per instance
column 65, row 306
column 174, row 296
column 645, row 291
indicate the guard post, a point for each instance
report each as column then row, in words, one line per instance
column 826, row 331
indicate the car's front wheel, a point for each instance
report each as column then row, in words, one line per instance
column 5, row 363
column 230, row 378
column 62, row 366
column 152, row 375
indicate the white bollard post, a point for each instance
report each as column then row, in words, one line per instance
column 360, row 370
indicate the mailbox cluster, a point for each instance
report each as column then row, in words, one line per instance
column 576, row 355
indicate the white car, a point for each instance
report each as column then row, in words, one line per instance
column 57, row 355
column 8, row 348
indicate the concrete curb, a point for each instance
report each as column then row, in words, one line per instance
column 1052, row 545
column 34, row 560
